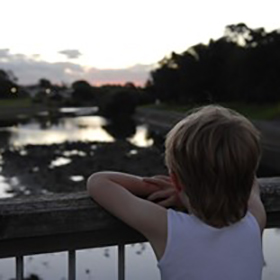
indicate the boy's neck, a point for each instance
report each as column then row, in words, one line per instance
column 185, row 202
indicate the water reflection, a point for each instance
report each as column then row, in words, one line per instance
column 5, row 188
column 79, row 111
column 141, row 137
column 84, row 128
column 74, row 153
column 77, row 178
column 59, row 161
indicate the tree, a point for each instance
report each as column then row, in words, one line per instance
column 241, row 66
column 83, row 91
column 44, row 83
column 8, row 86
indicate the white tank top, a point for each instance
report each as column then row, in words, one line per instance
column 197, row 251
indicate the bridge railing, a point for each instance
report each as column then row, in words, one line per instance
column 73, row 221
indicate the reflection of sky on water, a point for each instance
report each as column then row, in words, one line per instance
column 140, row 138
column 83, row 128
column 87, row 128
column 79, row 110
column 59, row 161
column 77, row 178
column 5, row 188
column 74, row 153
column 101, row 263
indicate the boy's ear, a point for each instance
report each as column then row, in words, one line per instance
column 176, row 182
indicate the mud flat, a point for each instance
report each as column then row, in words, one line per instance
column 38, row 169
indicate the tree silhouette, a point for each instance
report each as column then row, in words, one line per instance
column 44, row 83
column 8, row 86
column 83, row 91
column 241, row 66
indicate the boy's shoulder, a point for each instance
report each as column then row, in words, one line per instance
column 256, row 207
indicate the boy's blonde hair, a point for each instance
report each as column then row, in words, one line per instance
column 215, row 152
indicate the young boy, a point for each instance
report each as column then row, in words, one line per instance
column 212, row 156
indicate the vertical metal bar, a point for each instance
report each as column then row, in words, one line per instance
column 72, row 265
column 121, row 262
column 19, row 267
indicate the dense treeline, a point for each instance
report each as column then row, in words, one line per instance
column 112, row 100
column 8, row 86
column 241, row 66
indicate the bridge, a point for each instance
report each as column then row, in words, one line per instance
column 73, row 221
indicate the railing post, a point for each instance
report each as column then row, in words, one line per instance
column 121, row 262
column 72, row 265
column 19, row 267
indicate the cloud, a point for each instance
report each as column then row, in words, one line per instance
column 4, row 53
column 71, row 53
column 30, row 69
column 137, row 74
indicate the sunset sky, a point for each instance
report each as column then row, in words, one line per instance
column 112, row 41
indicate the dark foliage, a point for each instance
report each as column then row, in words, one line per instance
column 241, row 66
column 120, row 127
column 82, row 92
column 8, row 86
column 120, row 101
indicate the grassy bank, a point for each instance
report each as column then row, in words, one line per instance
column 10, row 108
column 252, row 111
column 14, row 103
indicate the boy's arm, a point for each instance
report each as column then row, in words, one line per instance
column 256, row 207
column 113, row 191
column 134, row 184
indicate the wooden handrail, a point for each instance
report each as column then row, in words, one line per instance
column 72, row 221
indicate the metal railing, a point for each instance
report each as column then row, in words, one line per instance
column 69, row 222
column 72, row 264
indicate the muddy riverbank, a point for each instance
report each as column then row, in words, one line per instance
column 37, row 169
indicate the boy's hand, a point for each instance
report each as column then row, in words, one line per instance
column 166, row 196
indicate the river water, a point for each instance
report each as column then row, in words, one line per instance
column 100, row 263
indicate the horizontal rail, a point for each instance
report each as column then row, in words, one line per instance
column 66, row 222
